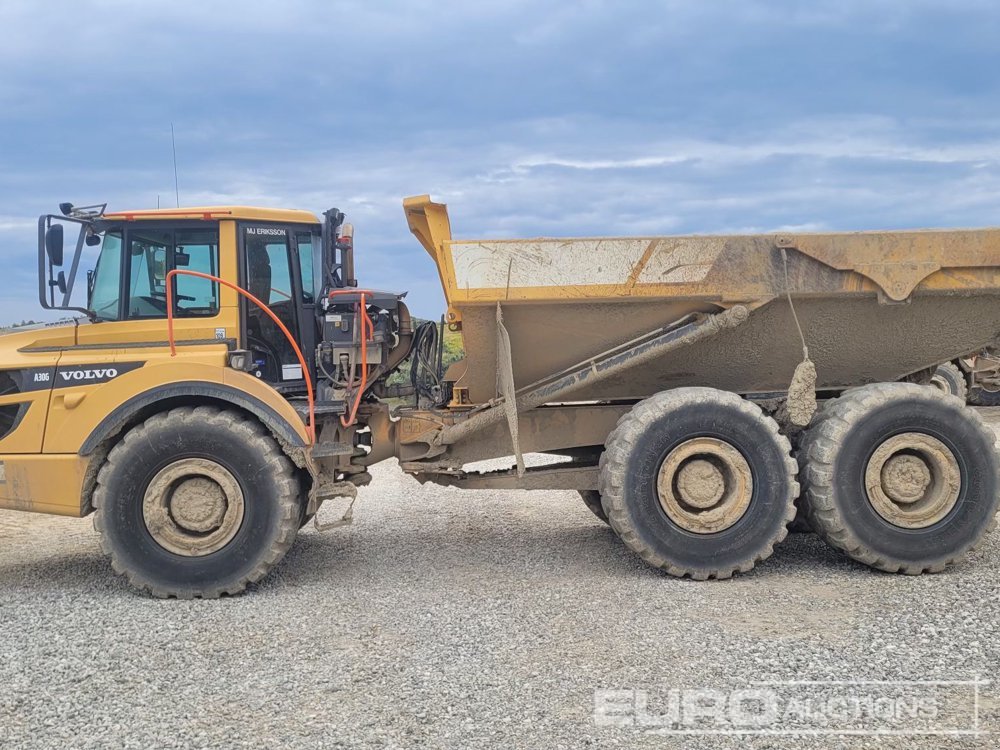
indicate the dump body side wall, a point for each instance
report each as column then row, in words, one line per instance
column 874, row 306
column 853, row 340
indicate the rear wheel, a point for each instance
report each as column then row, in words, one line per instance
column 979, row 396
column 196, row 502
column 901, row 477
column 947, row 378
column 592, row 499
column 698, row 482
column 799, row 524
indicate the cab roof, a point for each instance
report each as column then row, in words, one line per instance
column 210, row 213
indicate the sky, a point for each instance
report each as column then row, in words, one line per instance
column 633, row 117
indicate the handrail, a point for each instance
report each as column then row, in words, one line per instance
column 311, row 427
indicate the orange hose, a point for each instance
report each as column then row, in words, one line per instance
column 365, row 324
column 311, row 427
column 365, row 331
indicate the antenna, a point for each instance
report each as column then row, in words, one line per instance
column 173, row 146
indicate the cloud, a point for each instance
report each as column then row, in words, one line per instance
column 528, row 118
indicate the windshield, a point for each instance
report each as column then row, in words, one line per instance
column 104, row 283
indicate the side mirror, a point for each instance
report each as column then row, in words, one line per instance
column 92, row 239
column 181, row 259
column 54, row 244
column 59, row 282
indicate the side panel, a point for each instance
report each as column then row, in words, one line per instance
column 28, row 408
column 28, row 359
column 53, row 482
column 89, row 385
column 77, row 411
column 43, row 484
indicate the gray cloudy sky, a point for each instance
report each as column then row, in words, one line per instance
column 528, row 118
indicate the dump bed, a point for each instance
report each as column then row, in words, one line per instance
column 873, row 306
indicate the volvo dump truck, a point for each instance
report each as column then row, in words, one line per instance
column 227, row 373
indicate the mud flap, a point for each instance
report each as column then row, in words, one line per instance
column 332, row 492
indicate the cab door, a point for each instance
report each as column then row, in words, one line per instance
column 272, row 272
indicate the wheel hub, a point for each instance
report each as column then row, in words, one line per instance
column 198, row 504
column 700, row 483
column 193, row 507
column 704, row 485
column 905, row 478
column 913, row 480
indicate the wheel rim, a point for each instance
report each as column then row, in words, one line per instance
column 193, row 507
column 913, row 480
column 942, row 384
column 704, row 485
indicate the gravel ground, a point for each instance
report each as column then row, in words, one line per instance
column 450, row 619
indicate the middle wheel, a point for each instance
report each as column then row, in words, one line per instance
column 949, row 379
column 699, row 482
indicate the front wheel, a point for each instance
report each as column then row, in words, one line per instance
column 698, row 482
column 196, row 502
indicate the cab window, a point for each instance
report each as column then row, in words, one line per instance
column 104, row 284
column 155, row 251
column 196, row 250
column 304, row 247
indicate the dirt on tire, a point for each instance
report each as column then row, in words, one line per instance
column 837, row 444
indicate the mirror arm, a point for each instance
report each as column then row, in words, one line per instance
column 75, row 265
column 46, row 290
column 43, row 297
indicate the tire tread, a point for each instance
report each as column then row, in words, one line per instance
column 243, row 428
column 623, row 440
column 819, row 452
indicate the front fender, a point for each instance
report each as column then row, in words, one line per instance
column 246, row 393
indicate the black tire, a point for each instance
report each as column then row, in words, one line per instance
column 981, row 397
column 592, row 499
column 649, row 434
column 949, row 379
column 800, row 523
column 241, row 446
column 837, row 452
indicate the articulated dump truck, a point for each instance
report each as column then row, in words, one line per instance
column 227, row 375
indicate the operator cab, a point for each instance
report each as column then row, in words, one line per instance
column 272, row 284
column 135, row 251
